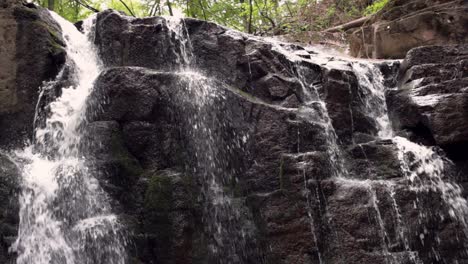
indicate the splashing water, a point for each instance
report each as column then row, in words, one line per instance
column 425, row 171
column 423, row 168
column 65, row 216
column 371, row 85
column 202, row 100
column 315, row 108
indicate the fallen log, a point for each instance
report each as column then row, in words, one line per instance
column 352, row 24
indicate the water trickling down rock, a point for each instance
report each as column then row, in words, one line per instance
column 193, row 143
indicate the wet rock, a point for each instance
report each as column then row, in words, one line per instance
column 29, row 37
column 273, row 128
column 375, row 160
column 9, row 192
column 431, row 100
column 403, row 25
column 121, row 43
column 347, row 112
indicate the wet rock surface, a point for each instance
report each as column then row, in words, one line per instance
column 403, row 25
column 32, row 52
column 9, row 190
column 431, row 100
column 278, row 115
column 219, row 147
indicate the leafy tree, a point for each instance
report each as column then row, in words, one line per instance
column 262, row 17
column 376, row 7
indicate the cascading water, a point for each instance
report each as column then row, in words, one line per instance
column 315, row 109
column 425, row 171
column 423, row 168
column 371, row 85
column 65, row 216
column 201, row 102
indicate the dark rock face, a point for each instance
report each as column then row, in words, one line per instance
column 31, row 52
column 431, row 99
column 9, row 190
column 219, row 147
column 277, row 124
column 403, row 25
column 29, row 37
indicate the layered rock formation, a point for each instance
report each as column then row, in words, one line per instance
column 403, row 25
column 219, row 147
column 31, row 53
column 280, row 124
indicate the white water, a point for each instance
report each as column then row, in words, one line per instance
column 426, row 172
column 64, row 212
column 371, row 84
column 201, row 100
column 423, row 169
column 315, row 109
column 65, row 217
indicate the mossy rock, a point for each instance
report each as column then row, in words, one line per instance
column 127, row 164
column 158, row 195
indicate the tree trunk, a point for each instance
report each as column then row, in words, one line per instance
column 169, row 6
column 51, row 4
column 250, row 16
column 352, row 24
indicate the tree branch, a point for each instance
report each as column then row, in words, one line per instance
column 87, row 6
column 126, row 6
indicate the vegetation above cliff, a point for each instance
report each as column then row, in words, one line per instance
column 262, row 17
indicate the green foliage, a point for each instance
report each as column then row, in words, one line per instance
column 261, row 17
column 376, row 7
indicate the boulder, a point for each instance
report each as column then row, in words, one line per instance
column 403, row 25
column 251, row 151
column 9, row 218
column 431, row 101
column 32, row 52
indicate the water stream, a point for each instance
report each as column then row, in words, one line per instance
column 423, row 168
column 202, row 102
column 65, row 216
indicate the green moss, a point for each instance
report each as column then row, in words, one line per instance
column 375, row 7
column 157, row 209
column 127, row 163
column 55, row 40
column 158, row 195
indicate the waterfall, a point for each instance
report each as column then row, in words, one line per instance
column 65, row 216
column 202, row 103
column 371, row 84
column 423, row 168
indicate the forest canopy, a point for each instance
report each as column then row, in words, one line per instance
column 261, row 17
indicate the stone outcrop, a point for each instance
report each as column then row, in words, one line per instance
column 403, row 25
column 277, row 115
column 31, row 52
column 220, row 147
column 431, row 99
column 9, row 190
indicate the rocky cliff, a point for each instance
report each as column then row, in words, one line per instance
column 220, row 147
column 31, row 53
column 402, row 25
column 278, row 118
